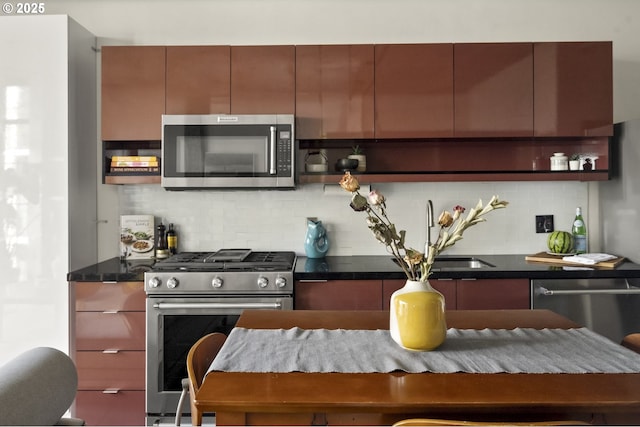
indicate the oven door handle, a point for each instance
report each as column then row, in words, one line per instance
column 218, row 305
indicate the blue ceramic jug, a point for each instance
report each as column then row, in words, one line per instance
column 316, row 243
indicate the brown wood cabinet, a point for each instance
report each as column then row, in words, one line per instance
column 334, row 91
column 446, row 287
column 459, row 294
column 505, row 93
column 519, row 102
column 414, row 91
column 475, row 294
column 133, row 92
column 338, row 295
column 198, row 80
column 108, row 347
column 493, row 89
column 573, row 84
column 263, row 79
column 493, row 294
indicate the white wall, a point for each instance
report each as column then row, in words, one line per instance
column 275, row 220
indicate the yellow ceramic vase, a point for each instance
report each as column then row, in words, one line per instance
column 416, row 319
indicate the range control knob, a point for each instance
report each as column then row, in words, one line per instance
column 263, row 282
column 154, row 282
column 281, row 282
column 216, row 282
column 172, row 283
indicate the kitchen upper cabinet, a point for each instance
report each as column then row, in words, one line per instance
column 414, row 91
column 493, row 89
column 573, row 89
column 338, row 295
column 335, row 92
column 198, row 80
column 133, row 92
column 263, row 79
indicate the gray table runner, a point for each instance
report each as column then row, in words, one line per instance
column 521, row 350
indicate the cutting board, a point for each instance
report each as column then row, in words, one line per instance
column 557, row 260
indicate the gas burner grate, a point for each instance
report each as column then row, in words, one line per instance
column 202, row 261
column 269, row 257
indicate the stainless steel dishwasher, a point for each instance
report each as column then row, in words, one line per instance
column 610, row 307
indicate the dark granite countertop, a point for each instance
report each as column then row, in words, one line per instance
column 112, row 270
column 504, row 267
column 365, row 267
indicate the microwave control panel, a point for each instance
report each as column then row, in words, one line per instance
column 284, row 153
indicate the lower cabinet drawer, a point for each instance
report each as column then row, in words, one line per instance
column 124, row 370
column 98, row 296
column 123, row 330
column 125, row 408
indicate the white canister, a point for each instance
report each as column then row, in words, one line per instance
column 559, row 162
column 316, row 161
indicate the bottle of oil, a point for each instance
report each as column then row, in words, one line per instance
column 172, row 240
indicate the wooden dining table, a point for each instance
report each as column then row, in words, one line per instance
column 243, row 398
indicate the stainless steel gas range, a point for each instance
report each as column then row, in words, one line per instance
column 194, row 293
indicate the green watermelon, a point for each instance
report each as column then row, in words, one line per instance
column 560, row 242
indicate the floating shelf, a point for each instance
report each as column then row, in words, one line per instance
column 370, row 178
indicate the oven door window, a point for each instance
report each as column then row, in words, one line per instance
column 208, row 150
column 180, row 334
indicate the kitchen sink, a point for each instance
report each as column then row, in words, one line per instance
column 451, row 263
column 461, row 262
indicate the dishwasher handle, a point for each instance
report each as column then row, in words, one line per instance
column 541, row 290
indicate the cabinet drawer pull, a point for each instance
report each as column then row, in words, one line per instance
column 111, row 391
column 468, row 278
column 110, row 351
column 110, row 312
column 107, row 282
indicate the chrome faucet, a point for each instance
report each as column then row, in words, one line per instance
column 430, row 224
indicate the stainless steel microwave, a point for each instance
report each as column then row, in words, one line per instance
column 228, row 151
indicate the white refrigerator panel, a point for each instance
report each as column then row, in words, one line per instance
column 37, row 132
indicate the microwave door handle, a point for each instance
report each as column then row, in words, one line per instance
column 272, row 150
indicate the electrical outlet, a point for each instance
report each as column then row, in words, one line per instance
column 544, row 223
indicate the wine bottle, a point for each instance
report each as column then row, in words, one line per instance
column 172, row 240
column 579, row 232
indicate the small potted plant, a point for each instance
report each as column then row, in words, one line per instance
column 574, row 162
column 359, row 155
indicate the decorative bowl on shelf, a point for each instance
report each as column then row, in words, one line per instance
column 344, row 165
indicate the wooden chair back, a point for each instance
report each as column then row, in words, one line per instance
column 632, row 341
column 199, row 359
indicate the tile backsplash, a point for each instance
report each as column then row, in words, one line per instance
column 276, row 220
